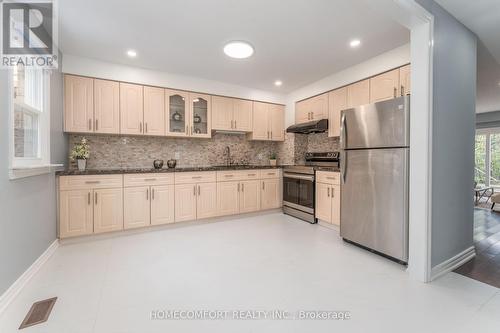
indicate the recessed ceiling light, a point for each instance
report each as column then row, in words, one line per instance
column 132, row 53
column 238, row 50
column 355, row 43
column 278, row 83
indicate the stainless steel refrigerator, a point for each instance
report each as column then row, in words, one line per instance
column 375, row 147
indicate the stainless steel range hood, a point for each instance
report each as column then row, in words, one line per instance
column 315, row 126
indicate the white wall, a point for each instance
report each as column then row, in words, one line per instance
column 95, row 68
column 386, row 61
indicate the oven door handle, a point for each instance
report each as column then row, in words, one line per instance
column 295, row 176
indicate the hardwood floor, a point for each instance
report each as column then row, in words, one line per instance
column 485, row 267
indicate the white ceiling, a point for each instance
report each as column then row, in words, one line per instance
column 483, row 18
column 296, row 41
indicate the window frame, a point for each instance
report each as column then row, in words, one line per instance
column 20, row 167
column 487, row 159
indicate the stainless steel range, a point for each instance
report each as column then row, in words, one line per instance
column 299, row 184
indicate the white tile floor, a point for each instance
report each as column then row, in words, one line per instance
column 256, row 263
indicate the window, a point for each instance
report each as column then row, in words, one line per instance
column 30, row 121
column 487, row 158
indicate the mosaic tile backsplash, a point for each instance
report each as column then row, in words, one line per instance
column 111, row 152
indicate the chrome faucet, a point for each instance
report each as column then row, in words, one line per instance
column 227, row 153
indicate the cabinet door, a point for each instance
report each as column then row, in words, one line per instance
column 358, row 94
column 75, row 213
column 200, row 115
column 270, row 194
column 302, row 111
column 384, row 86
column 260, row 130
column 78, row 104
column 249, row 196
column 185, row 202
column 108, row 210
column 227, row 198
column 154, row 111
column 405, row 80
column 337, row 102
column 206, row 200
column 323, row 209
column 177, row 104
column 137, row 207
column 319, row 107
column 335, row 204
column 106, row 107
column 277, row 122
column 242, row 115
column 162, row 204
column 222, row 113
column 131, row 108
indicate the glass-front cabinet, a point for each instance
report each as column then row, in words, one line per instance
column 200, row 106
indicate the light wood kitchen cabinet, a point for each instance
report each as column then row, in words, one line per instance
column 302, row 111
column 131, row 108
column 249, row 196
column 270, row 193
column 337, row 102
column 154, row 111
column 177, row 115
column 162, row 204
column 206, row 200
column 200, row 115
column 405, row 80
column 231, row 114
column 268, row 122
column 358, row 94
column 106, row 107
column 384, row 86
column 185, row 202
column 137, row 207
column 227, row 198
column 108, row 210
column 78, row 104
column 328, row 197
column 314, row 108
column 76, row 213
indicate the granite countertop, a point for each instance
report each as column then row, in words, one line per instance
column 76, row 172
column 325, row 168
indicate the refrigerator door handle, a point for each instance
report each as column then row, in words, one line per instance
column 343, row 166
column 343, row 132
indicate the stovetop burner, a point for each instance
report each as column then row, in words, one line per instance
column 313, row 160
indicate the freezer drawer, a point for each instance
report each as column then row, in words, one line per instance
column 374, row 200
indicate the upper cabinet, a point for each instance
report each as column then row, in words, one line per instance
column 131, row 108
column 384, row 86
column 177, row 115
column 337, row 102
column 78, row 104
column 314, row 108
column 404, row 80
column 154, row 111
column 200, row 114
column 358, row 94
column 268, row 122
column 106, row 107
column 231, row 114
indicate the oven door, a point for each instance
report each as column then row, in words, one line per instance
column 298, row 191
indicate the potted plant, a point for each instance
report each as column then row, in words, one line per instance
column 272, row 159
column 80, row 153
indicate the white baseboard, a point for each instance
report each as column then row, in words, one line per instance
column 453, row 263
column 8, row 296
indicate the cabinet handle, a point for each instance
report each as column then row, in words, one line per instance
column 96, row 124
column 196, row 177
column 187, row 130
column 88, row 198
column 194, row 190
column 271, row 134
column 242, row 187
column 235, row 124
column 312, row 115
column 140, row 126
column 149, row 179
column 333, row 192
column 95, row 197
column 402, row 90
column 395, row 92
column 92, row 182
column 147, row 194
column 228, row 175
column 332, row 178
column 263, row 185
column 191, row 130
column 270, row 173
column 251, row 174
column 199, row 190
column 90, row 124
column 146, row 126
column 238, row 187
column 328, row 192
column 152, row 194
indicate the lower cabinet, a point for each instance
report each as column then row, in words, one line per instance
column 108, row 210
column 148, row 205
column 250, row 196
column 328, row 203
column 238, row 197
column 270, row 193
column 162, row 204
column 195, row 201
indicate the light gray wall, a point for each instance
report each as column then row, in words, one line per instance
column 453, row 135
column 28, row 205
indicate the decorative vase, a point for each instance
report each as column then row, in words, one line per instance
column 196, row 119
column 82, row 164
column 158, row 164
column 177, row 116
column 272, row 162
column 171, row 163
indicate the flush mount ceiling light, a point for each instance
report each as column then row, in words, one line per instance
column 238, row 50
column 132, row 53
column 278, row 83
column 355, row 43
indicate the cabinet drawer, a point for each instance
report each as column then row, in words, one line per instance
column 328, row 177
column 87, row 182
column 145, row 179
column 269, row 173
column 195, row 177
column 232, row 175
